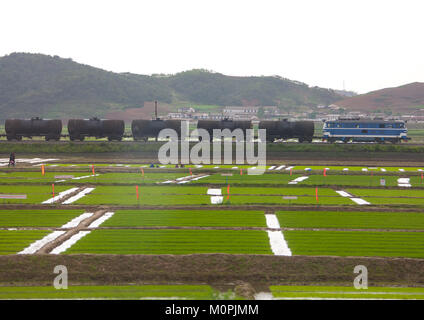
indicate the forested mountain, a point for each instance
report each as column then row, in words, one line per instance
column 41, row 85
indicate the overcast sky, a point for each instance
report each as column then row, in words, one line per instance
column 366, row 44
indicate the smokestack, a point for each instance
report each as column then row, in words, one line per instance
column 156, row 109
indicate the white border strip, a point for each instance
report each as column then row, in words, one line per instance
column 277, row 242
column 69, row 243
column 102, row 219
column 78, row 195
column 60, row 196
column 76, row 221
column 37, row 245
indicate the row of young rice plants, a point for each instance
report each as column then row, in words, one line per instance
column 35, row 194
column 356, row 243
column 202, row 292
column 178, row 195
column 391, row 196
column 266, row 178
column 173, row 242
column 186, row 218
column 37, row 218
column 351, row 180
column 337, row 292
column 34, row 177
column 13, row 241
column 351, row 220
column 360, row 168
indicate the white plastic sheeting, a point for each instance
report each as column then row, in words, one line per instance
column 102, row 219
column 297, row 180
column 217, row 199
column 69, row 243
column 272, row 221
column 60, row 196
column 79, row 195
column 359, row 201
column 76, row 221
column 37, row 245
column 344, row 194
column 278, row 244
column 214, row 192
column 404, row 182
column 356, row 200
column 280, row 167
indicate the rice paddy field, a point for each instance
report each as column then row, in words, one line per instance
column 293, row 212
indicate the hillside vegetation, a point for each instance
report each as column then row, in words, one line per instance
column 41, row 85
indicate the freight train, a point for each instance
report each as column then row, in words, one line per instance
column 343, row 130
column 79, row 129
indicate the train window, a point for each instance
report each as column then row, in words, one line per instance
column 381, row 125
column 364, row 131
column 401, row 125
column 356, row 125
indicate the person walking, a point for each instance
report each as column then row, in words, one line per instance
column 12, row 159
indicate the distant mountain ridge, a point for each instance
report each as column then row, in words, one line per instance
column 404, row 99
column 50, row 86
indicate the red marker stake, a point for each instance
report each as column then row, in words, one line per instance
column 190, row 172
column 228, row 192
column 316, row 193
column 92, row 169
column 136, row 190
column 142, row 171
column 325, row 172
column 290, row 171
column 53, row 190
column 241, row 172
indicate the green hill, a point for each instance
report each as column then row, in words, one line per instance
column 46, row 86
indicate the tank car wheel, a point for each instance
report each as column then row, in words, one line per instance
column 81, row 138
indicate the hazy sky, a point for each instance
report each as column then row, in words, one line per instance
column 368, row 44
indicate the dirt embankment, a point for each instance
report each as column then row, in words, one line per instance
column 214, row 269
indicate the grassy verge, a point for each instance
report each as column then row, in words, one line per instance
column 323, row 292
column 202, row 292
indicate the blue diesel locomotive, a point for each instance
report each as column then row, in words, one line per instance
column 365, row 130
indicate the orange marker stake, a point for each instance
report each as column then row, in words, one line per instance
column 42, row 169
column 136, row 190
column 290, row 171
column 92, row 169
column 53, row 189
column 142, row 171
column 316, row 193
column 190, row 172
column 325, row 172
column 228, row 192
column 241, row 172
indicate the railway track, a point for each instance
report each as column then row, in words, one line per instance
column 99, row 141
